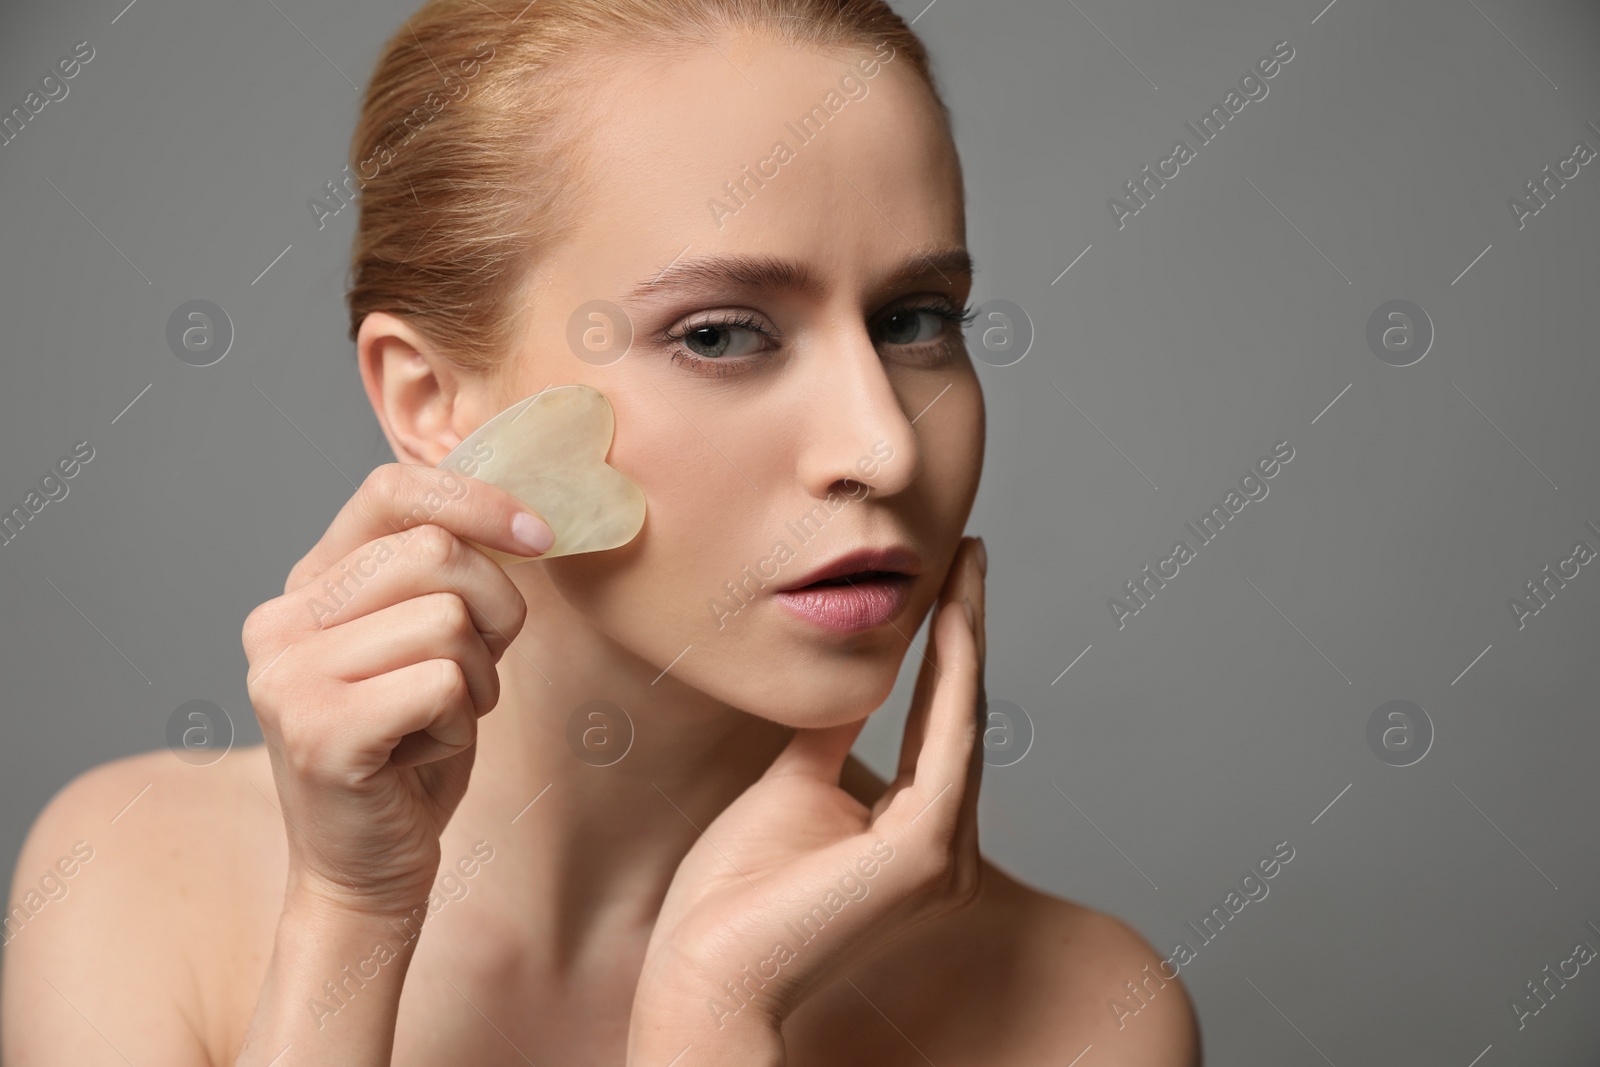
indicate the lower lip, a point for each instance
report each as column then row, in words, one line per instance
column 848, row 608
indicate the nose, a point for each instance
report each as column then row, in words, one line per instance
column 856, row 429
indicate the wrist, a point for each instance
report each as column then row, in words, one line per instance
column 335, row 940
column 314, row 899
column 333, row 984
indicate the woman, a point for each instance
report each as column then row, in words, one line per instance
column 741, row 220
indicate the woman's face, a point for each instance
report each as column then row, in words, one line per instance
column 796, row 387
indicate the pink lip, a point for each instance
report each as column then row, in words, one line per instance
column 889, row 558
column 858, row 605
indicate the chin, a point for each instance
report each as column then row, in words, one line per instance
column 810, row 686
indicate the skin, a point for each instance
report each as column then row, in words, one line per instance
column 599, row 906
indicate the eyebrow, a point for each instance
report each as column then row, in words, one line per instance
column 769, row 273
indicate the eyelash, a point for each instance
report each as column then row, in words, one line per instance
column 721, row 367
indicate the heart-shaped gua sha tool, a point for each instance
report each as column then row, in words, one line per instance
column 549, row 451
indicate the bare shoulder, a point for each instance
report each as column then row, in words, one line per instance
column 1089, row 981
column 1020, row 977
column 129, row 880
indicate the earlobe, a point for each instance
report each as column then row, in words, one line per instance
column 412, row 388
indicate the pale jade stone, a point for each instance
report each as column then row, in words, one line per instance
column 549, row 451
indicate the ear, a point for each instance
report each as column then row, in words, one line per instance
column 413, row 389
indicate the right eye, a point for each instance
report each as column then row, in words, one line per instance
column 719, row 345
column 719, row 340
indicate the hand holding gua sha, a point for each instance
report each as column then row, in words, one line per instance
column 549, row 451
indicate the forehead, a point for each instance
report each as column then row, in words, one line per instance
column 839, row 159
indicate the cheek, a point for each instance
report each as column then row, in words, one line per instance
column 690, row 450
column 652, row 595
column 953, row 450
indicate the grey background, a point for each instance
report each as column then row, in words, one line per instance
column 1227, row 316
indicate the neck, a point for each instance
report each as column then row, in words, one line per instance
column 588, row 826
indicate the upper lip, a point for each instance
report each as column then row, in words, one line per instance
column 899, row 558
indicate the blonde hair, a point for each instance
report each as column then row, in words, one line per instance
column 468, row 149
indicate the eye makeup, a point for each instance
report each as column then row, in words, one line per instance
column 715, row 331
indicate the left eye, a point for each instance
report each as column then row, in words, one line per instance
column 911, row 326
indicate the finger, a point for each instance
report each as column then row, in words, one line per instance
column 944, row 773
column 928, row 679
column 398, row 496
column 978, row 592
column 977, row 596
column 818, row 753
column 427, row 714
column 966, row 841
column 928, row 676
column 431, row 626
column 921, row 697
column 429, row 559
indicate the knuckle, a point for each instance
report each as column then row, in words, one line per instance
column 273, row 696
column 435, row 547
column 383, row 484
column 383, row 494
column 451, row 680
column 264, row 705
column 259, row 686
column 300, row 758
column 266, row 631
column 254, row 630
column 297, row 742
column 450, row 613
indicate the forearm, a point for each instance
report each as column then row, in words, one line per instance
column 332, row 989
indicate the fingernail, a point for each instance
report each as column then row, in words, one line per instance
column 972, row 616
column 983, row 558
column 532, row 531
